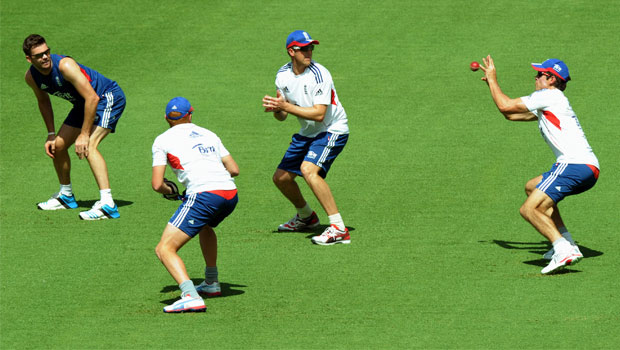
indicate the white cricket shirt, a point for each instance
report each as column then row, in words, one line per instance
column 195, row 155
column 560, row 127
column 313, row 87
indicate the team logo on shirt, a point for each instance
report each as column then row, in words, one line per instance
column 204, row 149
column 286, row 89
column 318, row 93
column 194, row 134
column 43, row 86
column 311, row 155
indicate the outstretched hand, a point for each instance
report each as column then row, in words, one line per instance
column 274, row 104
column 488, row 67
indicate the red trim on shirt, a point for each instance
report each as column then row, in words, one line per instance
column 594, row 170
column 334, row 98
column 90, row 80
column 174, row 161
column 226, row 194
column 552, row 119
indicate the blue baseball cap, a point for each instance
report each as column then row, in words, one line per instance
column 178, row 104
column 554, row 66
column 299, row 38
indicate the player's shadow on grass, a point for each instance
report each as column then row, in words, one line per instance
column 89, row 204
column 540, row 248
column 228, row 290
column 311, row 232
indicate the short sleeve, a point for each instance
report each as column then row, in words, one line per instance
column 538, row 100
column 159, row 155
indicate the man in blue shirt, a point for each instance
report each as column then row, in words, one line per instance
column 98, row 103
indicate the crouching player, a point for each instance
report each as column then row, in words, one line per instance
column 204, row 166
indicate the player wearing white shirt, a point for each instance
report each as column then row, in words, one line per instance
column 576, row 169
column 204, row 166
column 306, row 90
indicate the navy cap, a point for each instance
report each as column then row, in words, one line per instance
column 299, row 38
column 178, row 104
column 554, row 66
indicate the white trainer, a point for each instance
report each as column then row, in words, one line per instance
column 210, row 290
column 549, row 255
column 297, row 223
column 186, row 304
column 58, row 201
column 559, row 261
column 100, row 212
column 332, row 235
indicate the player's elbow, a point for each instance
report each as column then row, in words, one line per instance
column 156, row 185
column 233, row 170
column 508, row 116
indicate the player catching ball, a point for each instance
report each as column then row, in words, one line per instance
column 576, row 169
column 206, row 169
column 306, row 90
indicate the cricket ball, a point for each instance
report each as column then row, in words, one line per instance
column 474, row 66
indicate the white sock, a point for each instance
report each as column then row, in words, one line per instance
column 106, row 197
column 336, row 219
column 66, row 190
column 561, row 245
column 304, row 212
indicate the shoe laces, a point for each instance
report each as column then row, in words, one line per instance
column 331, row 231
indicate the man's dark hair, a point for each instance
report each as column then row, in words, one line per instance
column 31, row 41
column 559, row 83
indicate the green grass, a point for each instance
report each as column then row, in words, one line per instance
column 430, row 182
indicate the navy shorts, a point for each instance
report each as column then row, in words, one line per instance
column 109, row 110
column 202, row 209
column 321, row 150
column 567, row 179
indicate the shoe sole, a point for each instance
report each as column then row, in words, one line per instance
column 569, row 262
column 211, row 295
column 348, row 241
column 202, row 309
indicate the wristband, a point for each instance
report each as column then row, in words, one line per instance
column 51, row 133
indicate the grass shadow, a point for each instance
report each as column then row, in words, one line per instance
column 228, row 290
column 540, row 248
column 89, row 203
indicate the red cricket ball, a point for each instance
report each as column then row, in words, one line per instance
column 474, row 66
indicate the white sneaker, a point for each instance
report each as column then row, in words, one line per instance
column 332, row 235
column 100, row 212
column 560, row 260
column 297, row 223
column 186, row 304
column 58, row 201
column 210, row 290
column 549, row 255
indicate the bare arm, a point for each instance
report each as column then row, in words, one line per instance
column 45, row 107
column 230, row 165
column 72, row 73
column 157, row 180
column 512, row 109
column 281, row 108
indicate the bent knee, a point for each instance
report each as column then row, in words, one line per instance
column 309, row 169
column 282, row 176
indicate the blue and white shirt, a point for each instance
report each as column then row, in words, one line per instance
column 55, row 84
column 313, row 86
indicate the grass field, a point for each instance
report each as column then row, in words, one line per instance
column 429, row 184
